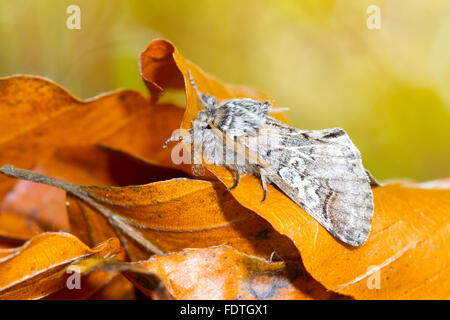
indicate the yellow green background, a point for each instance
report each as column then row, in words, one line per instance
column 388, row 88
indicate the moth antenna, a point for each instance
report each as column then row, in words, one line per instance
column 199, row 94
column 277, row 110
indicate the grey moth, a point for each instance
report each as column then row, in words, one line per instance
column 320, row 170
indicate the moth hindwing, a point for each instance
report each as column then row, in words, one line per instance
column 320, row 170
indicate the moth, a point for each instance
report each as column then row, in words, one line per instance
column 320, row 170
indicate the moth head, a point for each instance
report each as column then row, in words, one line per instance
column 204, row 117
column 209, row 102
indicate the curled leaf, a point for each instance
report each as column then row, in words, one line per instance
column 165, row 216
column 30, row 208
column 36, row 269
column 36, row 115
column 218, row 273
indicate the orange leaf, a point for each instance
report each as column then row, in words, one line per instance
column 97, row 285
column 164, row 216
column 177, row 214
column 35, row 270
column 407, row 253
column 162, row 67
column 144, row 136
column 37, row 115
column 221, row 273
column 118, row 288
column 148, row 282
column 30, row 208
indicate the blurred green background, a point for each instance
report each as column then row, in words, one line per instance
column 388, row 88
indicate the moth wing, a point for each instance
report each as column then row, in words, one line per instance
column 322, row 172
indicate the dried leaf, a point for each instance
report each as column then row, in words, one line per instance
column 148, row 282
column 30, row 208
column 162, row 67
column 143, row 136
column 220, row 273
column 118, row 288
column 36, row 269
column 168, row 214
column 224, row 273
column 165, row 215
column 37, row 115
column 406, row 255
column 97, row 285
column 407, row 252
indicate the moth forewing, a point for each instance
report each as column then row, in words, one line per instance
column 322, row 172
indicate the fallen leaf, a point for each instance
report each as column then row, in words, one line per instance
column 148, row 282
column 167, row 216
column 224, row 273
column 36, row 269
column 406, row 256
column 118, row 288
column 162, row 67
column 18, row 228
column 37, row 115
column 103, row 166
column 219, row 273
column 31, row 208
column 97, row 285
column 144, row 135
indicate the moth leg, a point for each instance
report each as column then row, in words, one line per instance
column 174, row 138
column 264, row 184
column 373, row 182
column 236, row 182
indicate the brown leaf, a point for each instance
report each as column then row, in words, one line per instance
column 177, row 214
column 118, row 288
column 36, row 269
column 30, row 208
column 37, row 115
column 148, row 282
column 97, row 165
column 172, row 215
column 97, row 285
column 145, row 135
column 162, row 67
column 220, row 273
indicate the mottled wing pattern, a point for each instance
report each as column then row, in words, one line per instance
column 322, row 172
